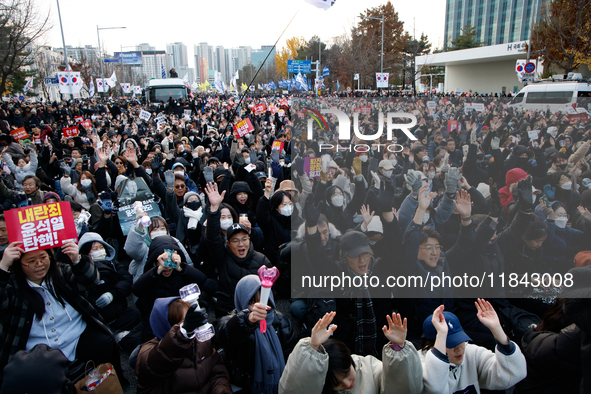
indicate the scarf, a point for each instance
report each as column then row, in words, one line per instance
column 268, row 355
column 365, row 318
column 89, row 194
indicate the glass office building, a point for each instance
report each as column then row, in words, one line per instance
column 495, row 21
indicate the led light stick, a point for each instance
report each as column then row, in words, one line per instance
column 268, row 277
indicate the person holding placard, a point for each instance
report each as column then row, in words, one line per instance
column 42, row 302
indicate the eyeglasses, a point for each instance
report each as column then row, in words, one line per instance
column 118, row 163
column 179, row 186
column 237, row 241
column 33, row 263
column 431, row 248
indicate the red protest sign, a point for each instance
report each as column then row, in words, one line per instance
column 277, row 145
column 283, row 103
column 86, row 124
column 580, row 117
column 259, row 109
column 273, row 109
column 243, row 128
column 366, row 109
column 452, row 125
column 19, row 133
column 70, row 131
column 79, row 119
column 42, row 226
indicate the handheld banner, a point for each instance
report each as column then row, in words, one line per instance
column 42, row 226
column 243, row 128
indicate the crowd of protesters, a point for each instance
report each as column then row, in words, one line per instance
column 463, row 192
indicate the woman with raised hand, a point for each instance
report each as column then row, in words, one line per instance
column 453, row 365
column 321, row 364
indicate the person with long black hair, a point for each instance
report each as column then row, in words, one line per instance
column 42, row 302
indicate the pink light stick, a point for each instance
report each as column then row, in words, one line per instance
column 268, row 277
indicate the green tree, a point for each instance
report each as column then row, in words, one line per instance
column 20, row 27
column 465, row 40
column 366, row 42
column 563, row 35
column 412, row 49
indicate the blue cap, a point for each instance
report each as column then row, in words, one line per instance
column 455, row 332
column 261, row 174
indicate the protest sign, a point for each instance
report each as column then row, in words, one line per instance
column 366, row 109
column 19, row 133
column 533, row 134
column 452, row 125
column 78, row 119
column 277, row 145
column 312, row 166
column 70, row 131
column 243, row 128
column 187, row 112
column 126, row 214
column 87, row 124
column 145, row 115
column 42, row 226
column 259, row 109
column 431, row 105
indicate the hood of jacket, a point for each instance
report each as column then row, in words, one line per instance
column 159, row 316
column 157, row 248
column 246, row 289
column 514, row 175
column 94, row 237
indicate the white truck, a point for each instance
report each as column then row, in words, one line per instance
column 160, row 90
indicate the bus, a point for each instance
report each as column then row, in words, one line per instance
column 555, row 96
column 160, row 90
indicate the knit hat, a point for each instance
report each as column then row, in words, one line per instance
column 120, row 178
column 77, row 161
column 187, row 195
column 49, row 195
column 484, row 189
column 514, row 175
column 375, row 225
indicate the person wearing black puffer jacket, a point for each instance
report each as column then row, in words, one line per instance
column 240, row 338
column 235, row 258
column 160, row 280
column 553, row 354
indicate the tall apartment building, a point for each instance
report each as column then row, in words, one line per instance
column 259, row 55
column 151, row 67
column 495, row 21
column 177, row 53
column 79, row 53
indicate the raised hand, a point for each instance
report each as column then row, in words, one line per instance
column 463, row 204
column 524, row 192
column 396, row 330
column 367, row 215
column 258, row 313
column 438, row 320
column 213, row 195
column 489, row 318
column 169, row 178
column 12, row 253
column 103, row 156
column 321, row 332
column 425, row 200
column 70, row 249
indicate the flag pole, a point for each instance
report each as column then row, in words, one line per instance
column 257, row 73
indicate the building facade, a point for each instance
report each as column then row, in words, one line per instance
column 495, row 21
column 151, row 67
column 177, row 53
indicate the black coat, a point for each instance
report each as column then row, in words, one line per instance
column 275, row 226
column 116, row 280
column 230, row 268
column 553, row 361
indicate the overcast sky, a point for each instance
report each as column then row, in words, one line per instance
column 230, row 23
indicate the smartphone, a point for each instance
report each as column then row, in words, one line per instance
column 562, row 143
column 99, row 144
column 545, row 199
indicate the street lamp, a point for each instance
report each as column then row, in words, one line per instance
column 382, row 20
column 98, row 29
column 318, row 69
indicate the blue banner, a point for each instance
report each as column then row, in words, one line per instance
column 130, row 58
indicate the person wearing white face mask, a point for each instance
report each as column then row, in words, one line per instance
column 110, row 296
column 563, row 242
column 275, row 216
column 138, row 241
column 84, row 192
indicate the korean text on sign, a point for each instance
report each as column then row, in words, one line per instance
column 244, row 127
column 41, row 226
column 312, row 167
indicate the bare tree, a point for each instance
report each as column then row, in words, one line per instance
column 20, row 26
